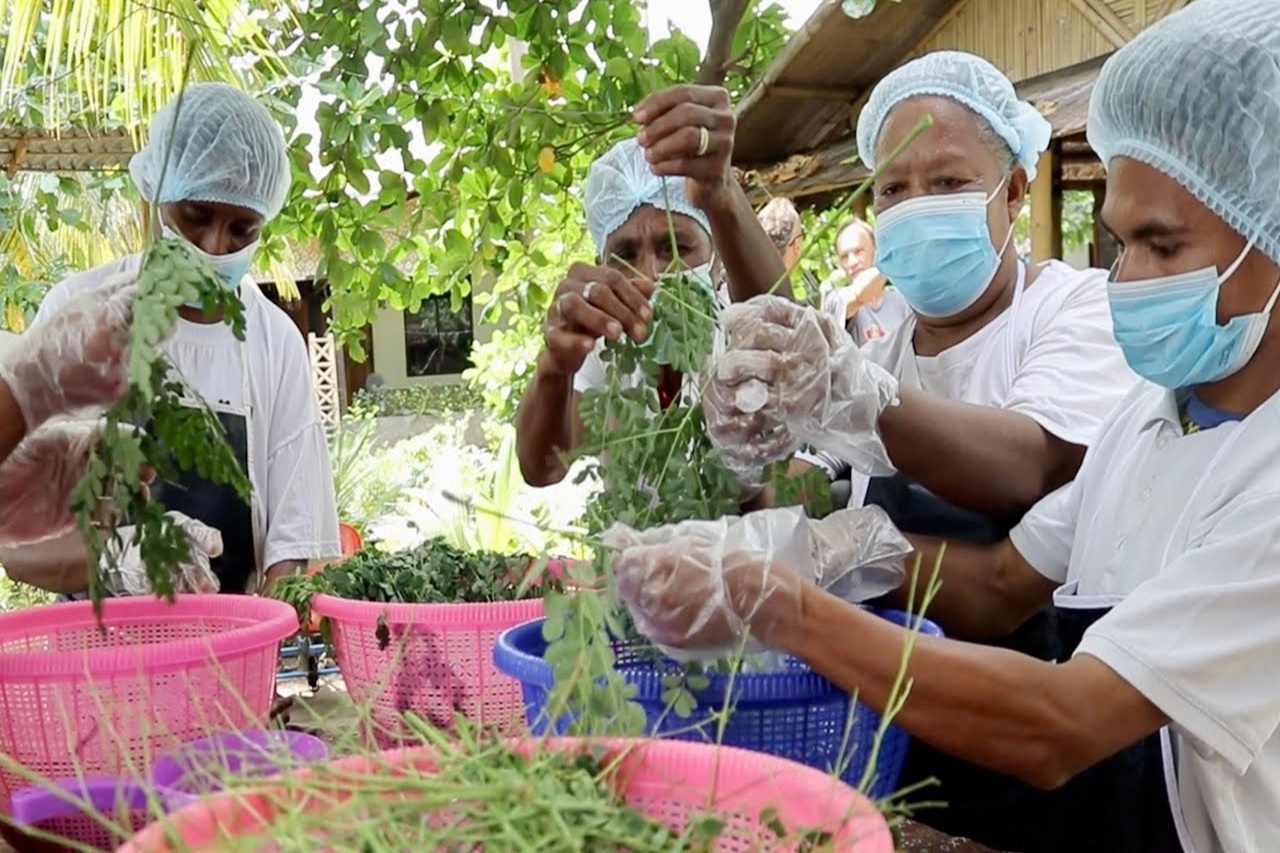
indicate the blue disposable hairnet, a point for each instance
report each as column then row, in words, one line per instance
column 1197, row 97
column 975, row 84
column 224, row 147
column 621, row 181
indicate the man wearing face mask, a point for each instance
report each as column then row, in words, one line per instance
column 985, row 399
column 215, row 171
column 672, row 183
column 1159, row 729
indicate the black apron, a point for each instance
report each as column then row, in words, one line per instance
column 978, row 801
column 215, row 504
column 218, row 506
column 1120, row 805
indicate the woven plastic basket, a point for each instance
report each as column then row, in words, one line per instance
column 667, row 780
column 795, row 714
column 437, row 662
column 77, row 699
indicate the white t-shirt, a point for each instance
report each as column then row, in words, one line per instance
column 1181, row 535
column 1050, row 356
column 294, row 508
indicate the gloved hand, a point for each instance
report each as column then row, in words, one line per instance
column 37, row 479
column 129, row 576
column 698, row 589
column 78, row 358
column 792, row 375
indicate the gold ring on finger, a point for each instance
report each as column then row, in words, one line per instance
column 704, row 141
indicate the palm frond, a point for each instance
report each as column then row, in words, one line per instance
column 117, row 61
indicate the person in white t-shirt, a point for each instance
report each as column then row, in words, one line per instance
column 1159, row 727
column 215, row 176
column 867, row 307
column 674, row 176
column 985, row 399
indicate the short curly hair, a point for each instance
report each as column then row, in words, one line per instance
column 781, row 221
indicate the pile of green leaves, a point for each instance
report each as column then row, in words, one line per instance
column 435, row 572
column 156, row 424
column 481, row 794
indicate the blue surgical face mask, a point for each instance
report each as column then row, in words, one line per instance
column 231, row 268
column 1168, row 327
column 937, row 251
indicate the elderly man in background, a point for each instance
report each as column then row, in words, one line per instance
column 673, row 176
column 866, row 306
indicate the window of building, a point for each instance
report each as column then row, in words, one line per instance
column 437, row 339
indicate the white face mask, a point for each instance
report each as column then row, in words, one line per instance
column 231, row 268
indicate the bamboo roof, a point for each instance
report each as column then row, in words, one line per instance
column 31, row 150
column 1062, row 97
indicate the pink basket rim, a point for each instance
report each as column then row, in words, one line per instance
column 267, row 623
column 873, row 832
column 496, row 613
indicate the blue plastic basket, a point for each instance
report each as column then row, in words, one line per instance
column 795, row 714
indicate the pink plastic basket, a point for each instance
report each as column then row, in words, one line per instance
column 78, row 699
column 670, row 781
column 438, row 661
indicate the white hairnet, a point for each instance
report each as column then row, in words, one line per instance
column 620, row 181
column 975, row 84
column 1197, row 96
column 224, row 147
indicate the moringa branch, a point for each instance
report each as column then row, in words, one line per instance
column 726, row 15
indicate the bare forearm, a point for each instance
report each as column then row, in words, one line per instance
column 993, row 707
column 282, row 569
column 981, row 458
column 59, row 565
column 544, row 427
column 750, row 259
column 985, row 591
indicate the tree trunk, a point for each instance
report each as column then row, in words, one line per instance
column 725, row 17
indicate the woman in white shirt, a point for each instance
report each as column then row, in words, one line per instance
column 1160, row 728
column 216, row 176
column 1003, row 372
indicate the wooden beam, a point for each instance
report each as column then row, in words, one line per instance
column 1081, row 172
column 1046, row 220
column 816, row 92
column 1105, row 20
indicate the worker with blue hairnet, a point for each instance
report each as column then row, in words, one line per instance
column 672, row 180
column 1158, row 728
column 980, row 403
column 215, row 172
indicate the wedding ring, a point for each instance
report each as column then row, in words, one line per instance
column 586, row 291
column 704, row 141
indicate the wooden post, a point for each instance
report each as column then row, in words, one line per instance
column 1046, row 209
column 860, row 206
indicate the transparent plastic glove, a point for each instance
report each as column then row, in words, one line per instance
column 699, row 589
column 37, row 479
column 792, row 376
column 76, row 359
column 192, row 575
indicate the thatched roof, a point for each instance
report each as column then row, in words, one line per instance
column 70, row 151
column 1062, row 97
column 795, row 125
column 804, row 99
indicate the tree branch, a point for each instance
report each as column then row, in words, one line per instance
column 725, row 17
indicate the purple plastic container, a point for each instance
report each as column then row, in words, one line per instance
column 65, row 808
column 200, row 767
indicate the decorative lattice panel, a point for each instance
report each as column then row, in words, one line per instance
column 324, row 378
